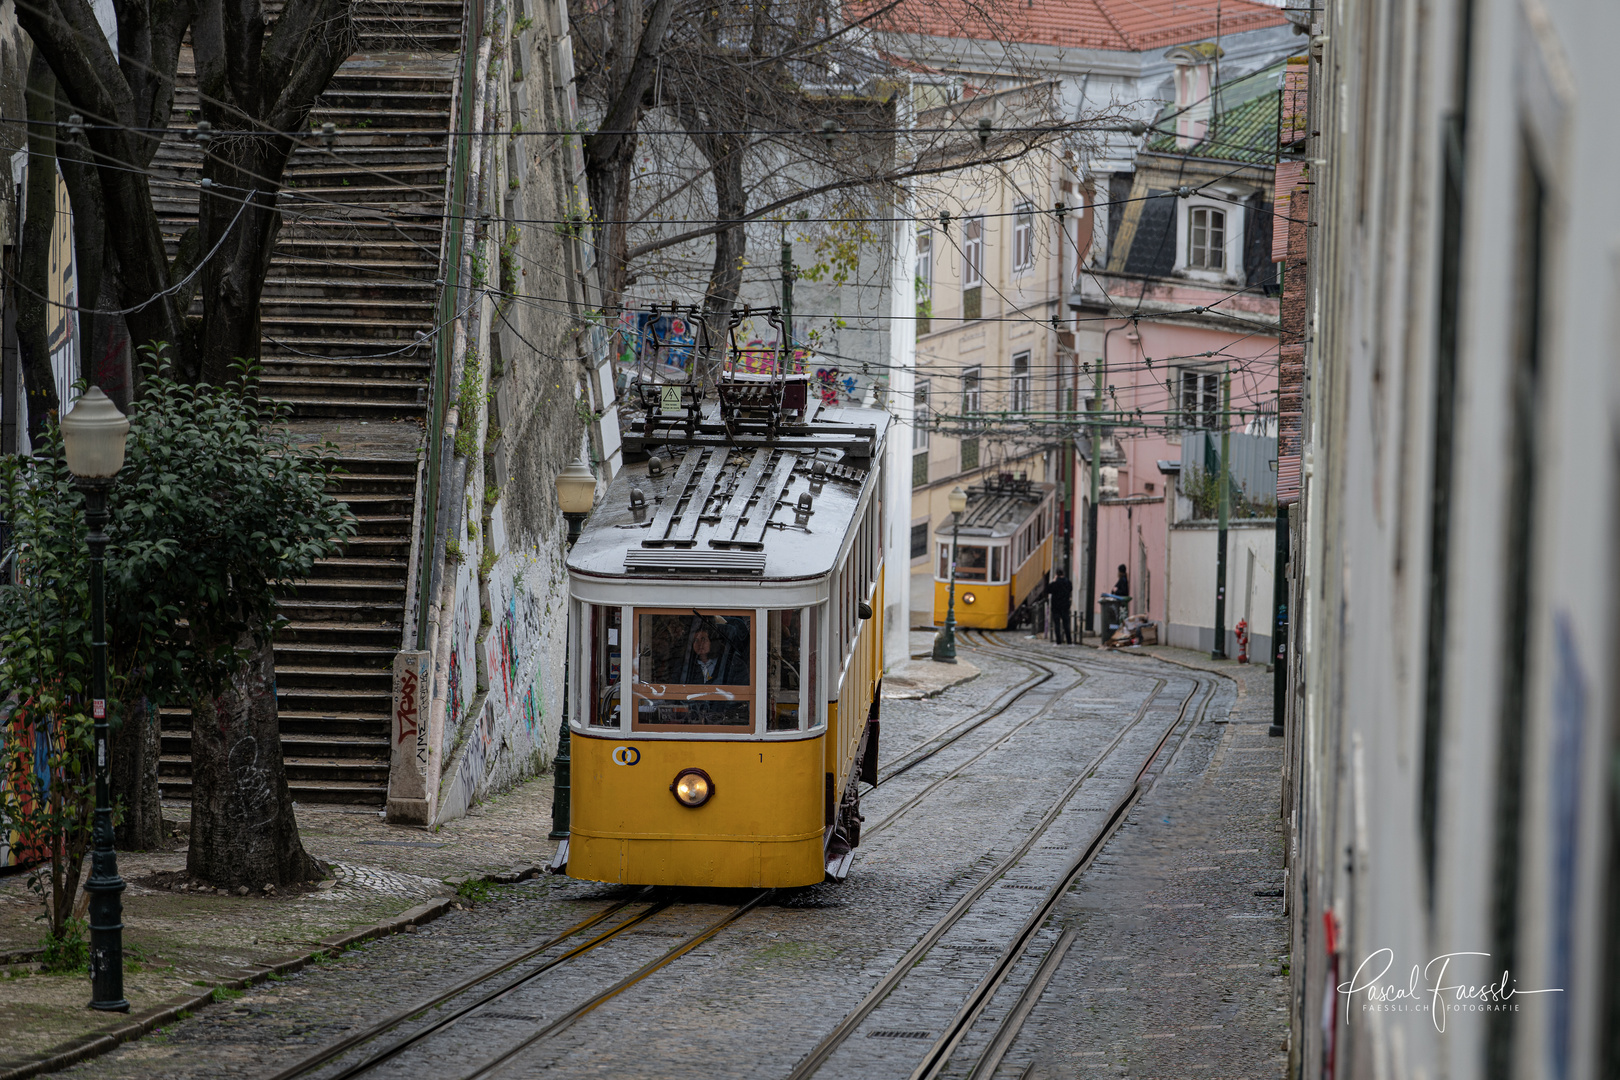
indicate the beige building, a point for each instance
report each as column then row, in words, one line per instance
column 993, row 273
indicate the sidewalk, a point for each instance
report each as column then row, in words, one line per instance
column 178, row 943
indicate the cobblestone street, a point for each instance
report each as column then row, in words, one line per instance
column 1164, row 958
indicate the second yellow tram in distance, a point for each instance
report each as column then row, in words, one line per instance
column 726, row 658
column 1003, row 553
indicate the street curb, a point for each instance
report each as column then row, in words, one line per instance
column 98, row 1043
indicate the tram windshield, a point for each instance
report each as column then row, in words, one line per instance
column 694, row 669
column 971, row 562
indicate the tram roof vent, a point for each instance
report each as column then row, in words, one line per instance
column 700, row 561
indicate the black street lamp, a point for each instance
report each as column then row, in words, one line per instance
column 945, row 640
column 576, row 493
column 93, row 437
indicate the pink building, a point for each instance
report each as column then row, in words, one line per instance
column 1179, row 300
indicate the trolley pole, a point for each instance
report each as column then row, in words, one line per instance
column 1219, row 651
column 1099, row 377
column 787, row 305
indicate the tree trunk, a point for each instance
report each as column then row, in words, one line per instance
column 242, row 827
column 34, row 313
column 133, row 769
column 725, row 279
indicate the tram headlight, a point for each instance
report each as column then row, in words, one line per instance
column 968, row 598
column 692, row 787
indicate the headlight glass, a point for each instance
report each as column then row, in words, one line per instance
column 968, row 598
column 692, row 787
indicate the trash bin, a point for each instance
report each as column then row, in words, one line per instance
column 1113, row 613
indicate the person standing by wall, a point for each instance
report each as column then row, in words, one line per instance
column 1060, row 591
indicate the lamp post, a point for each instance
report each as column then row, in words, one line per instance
column 945, row 640
column 576, row 493
column 93, row 437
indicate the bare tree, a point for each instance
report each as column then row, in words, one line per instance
column 258, row 78
column 763, row 92
column 257, row 83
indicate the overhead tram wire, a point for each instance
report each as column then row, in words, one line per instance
column 293, row 195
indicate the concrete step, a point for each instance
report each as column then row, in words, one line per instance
column 345, row 656
column 297, row 390
column 352, row 567
column 407, row 370
column 311, row 610
column 177, row 744
column 379, row 634
column 176, row 786
column 347, row 591
column 314, row 679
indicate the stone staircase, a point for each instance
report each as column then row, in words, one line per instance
column 346, row 318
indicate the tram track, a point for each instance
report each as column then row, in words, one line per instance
column 659, row 901
column 941, row 1051
column 1044, row 673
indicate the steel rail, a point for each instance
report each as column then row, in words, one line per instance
column 913, row 801
column 928, row 749
column 382, row 1027
column 939, row 1054
column 569, row 1018
column 818, row 1055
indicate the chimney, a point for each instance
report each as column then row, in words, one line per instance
column 1195, row 84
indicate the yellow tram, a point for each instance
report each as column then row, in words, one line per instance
column 726, row 658
column 1003, row 553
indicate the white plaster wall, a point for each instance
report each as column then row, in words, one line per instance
column 1191, row 598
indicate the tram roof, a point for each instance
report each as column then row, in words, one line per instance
column 645, row 525
column 997, row 508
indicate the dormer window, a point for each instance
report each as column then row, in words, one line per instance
column 1206, row 238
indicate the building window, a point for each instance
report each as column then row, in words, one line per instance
column 919, row 540
column 919, row 469
column 972, row 252
column 1023, row 252
column 925, row 280
column 920, row 419
column 970, row 454
column 1020, row 383
column 1200, row 399
column 1206, row 238
column 972, row 393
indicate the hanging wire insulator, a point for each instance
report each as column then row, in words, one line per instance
column 985, row 128
column 1138, row 128
column 829, row 132
column 204, row 134
column 1060, row 210
column 328, row 133
column 945, row 222
column 75, row 124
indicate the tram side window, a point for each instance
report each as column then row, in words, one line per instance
column 783, row 684
column 812, row 669
column 944, row 561
column 971, row 562
column 606, row 650
column 694, row 669
column 998, row 571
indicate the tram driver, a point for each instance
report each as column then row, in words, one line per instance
column 712, row 659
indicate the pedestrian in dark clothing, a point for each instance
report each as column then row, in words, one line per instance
column 1122, row 587
column 1060, row 590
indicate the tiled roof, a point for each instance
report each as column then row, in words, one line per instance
column 1122, row 25
column 1245, row 130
